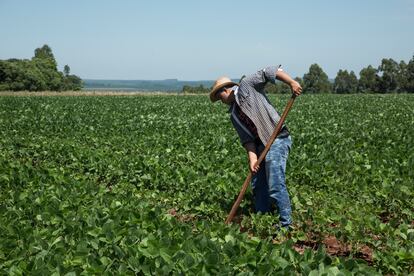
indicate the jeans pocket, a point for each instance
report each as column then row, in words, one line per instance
column 279, row 150
column 289, row 144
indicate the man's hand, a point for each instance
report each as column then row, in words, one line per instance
column 294, row 85
column 252, row 162
column 251, row 153
column 296, row 88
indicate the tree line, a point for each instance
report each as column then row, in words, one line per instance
column 40, row 73
column 389, row 77
column 37, row 74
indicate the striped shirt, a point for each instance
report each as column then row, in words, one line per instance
column 253, row 102
column 246, row 122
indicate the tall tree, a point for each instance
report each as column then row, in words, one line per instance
column 368, row 79
column 402, row 77
column 353, row 82
column 45, row 55
column 340, row 84
column 316, row 80
column 409, row 86
column 46, row 63
column 388, row 71
column 345, row 82
column 44, row 52
column 66, row 70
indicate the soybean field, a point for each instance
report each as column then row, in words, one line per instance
column 142, row 185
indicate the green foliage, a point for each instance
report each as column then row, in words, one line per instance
column 345, row 82
column 21, row 75
column 409, row 77
column 142, row 185
column 44, row 52
column 47, row 68
column 66, row 70
column 388, row 78
column 38, row 74
column 316, row 80
column 389, row 70
column 280, row 87
column 368, row 80
column 277, row 88
column 72, row 82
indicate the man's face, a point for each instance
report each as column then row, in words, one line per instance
column 226, row 95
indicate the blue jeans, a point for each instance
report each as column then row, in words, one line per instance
column 269, row 186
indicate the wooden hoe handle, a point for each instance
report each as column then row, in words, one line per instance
column 261, row 158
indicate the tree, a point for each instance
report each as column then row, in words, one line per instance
column 54, row 78
column 409, row 86
column 353, row 82
column 22, row 75
column 38, row 74
column 3, row 75
column 345, row 82
column 44, row 52
column 72, row 82
column 45, row 55
column 66, row 70
column 340, row 83
column 316, row 80
column 388, row 71
column 46, row 63
column 368, row 80
column 402, row 76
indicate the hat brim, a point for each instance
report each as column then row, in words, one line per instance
column 213, row 93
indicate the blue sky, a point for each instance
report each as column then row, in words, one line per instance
column 195, row 40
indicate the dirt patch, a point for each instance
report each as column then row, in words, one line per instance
column 300, row 247
column 365, row 253
column 334, row 247
column 180, row 217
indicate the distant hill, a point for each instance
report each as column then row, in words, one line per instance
column 168, row 85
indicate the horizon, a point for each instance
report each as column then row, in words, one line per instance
column 188, row 41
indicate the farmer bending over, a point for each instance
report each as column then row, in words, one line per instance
column 255, row 119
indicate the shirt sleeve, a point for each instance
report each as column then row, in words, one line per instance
column 262, row 76
column 258, row 80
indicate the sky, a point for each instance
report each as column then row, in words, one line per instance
column 202, row 40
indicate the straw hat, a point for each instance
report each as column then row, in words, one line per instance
column 220, row 83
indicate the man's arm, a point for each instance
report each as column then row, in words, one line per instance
column 252, row 155
column 294, row 85
column 271, row 73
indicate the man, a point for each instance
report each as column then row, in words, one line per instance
column 254, row 119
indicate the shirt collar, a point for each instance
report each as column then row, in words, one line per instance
column 236, row 90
